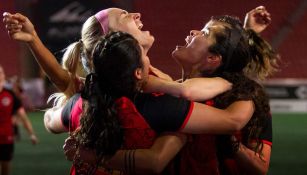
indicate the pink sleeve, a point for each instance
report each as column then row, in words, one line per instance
column 75, row 115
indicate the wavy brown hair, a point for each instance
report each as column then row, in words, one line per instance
column 247, row 89
column 244, row 53
column 115, row 59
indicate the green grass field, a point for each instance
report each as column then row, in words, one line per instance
column 46, row 158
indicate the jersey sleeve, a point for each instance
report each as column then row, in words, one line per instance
column 71, row 112
column 164, row 112
column 267, row 132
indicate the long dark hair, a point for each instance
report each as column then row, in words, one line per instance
column 243, row 50
column 231, row 44
column 115, row 59
column 247, row 89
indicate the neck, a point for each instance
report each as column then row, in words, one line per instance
column 146, row 49
column 190, row 73
column 185, row 72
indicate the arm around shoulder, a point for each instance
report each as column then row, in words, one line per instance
column 152, row 160
column 208, row 119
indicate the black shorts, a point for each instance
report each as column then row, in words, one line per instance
column 6, row 152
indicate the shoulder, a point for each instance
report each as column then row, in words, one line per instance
column 9, row 91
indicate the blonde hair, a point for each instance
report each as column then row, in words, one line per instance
column 77, row 59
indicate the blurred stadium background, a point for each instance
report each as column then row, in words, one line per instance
column 59, row 23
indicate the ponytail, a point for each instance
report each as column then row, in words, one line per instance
column 71, row 61
column 100, row 127
column 264, row 59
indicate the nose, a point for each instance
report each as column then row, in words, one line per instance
column 136, row 16
column 194, row 32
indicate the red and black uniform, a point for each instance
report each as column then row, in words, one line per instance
column 229, row 166
column 258, row 128
column 142, row 120
column 9, row 104
column 198, row 156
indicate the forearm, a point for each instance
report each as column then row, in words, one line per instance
column 203, row 118
column 240, row 112
column 59, row 76
column 138, row 161
column 156, row 84
column 200, row 89
column 145, row 161
column 196, row 89
column 251, row 163
column 25, row 121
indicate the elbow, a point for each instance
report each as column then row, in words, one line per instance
column 238, row 126
column 262, row 171
column 235, row 127
column 158, row 165
column 265, row 169
column 186, row 93
column 239, row 122
column 157, row 169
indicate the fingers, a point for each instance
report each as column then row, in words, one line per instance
column 260, row 8
column 262, row 15
column 17, row 18
column 6, row 15
column 20, row 17
column 12, row 27
column 70, row 148
column 70, row 143
column 70, row 154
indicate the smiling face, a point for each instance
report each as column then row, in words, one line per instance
column 121, row 20
column 195, row 56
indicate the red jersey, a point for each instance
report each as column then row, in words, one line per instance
column 198, row 156
column 154, row 114
column 137, row 133
column 9, row 104
column 229, row 165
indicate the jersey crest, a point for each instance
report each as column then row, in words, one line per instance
column 6, row 101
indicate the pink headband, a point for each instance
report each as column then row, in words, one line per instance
column 102, row 17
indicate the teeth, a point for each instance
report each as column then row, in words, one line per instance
column 140, row 26
column 188, row 40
